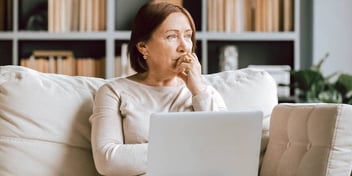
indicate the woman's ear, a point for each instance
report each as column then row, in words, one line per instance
column 142, row 48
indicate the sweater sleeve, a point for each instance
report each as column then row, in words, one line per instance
column 111, row 155
column 208, row 100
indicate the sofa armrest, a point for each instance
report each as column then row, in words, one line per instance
column 309, row 139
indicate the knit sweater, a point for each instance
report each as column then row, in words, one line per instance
column 120, row 121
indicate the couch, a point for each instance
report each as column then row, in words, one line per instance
column 44, row 127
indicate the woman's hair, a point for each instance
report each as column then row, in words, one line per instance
column 148, row 19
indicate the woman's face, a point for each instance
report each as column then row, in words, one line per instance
column 172, row 39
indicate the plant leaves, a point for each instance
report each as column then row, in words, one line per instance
column 330, row 96
column 304, row 79
column 344, row 83
column 317, row 67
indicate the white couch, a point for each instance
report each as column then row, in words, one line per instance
column 44, row 128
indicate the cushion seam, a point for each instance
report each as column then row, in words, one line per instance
column 36, row 141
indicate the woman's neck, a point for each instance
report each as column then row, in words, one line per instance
column 157, row 80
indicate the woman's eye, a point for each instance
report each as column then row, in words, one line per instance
column 188, row 36
column 172, row 36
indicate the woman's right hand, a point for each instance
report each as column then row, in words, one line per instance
column 190, row 71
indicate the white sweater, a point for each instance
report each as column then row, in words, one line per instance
column 120, row 121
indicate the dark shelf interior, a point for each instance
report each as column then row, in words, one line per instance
column 253, row 53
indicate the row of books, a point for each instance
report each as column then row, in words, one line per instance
column 64, row 62
column 250, row 15
column 177, row 2
column 5, row 15
column 76, row 15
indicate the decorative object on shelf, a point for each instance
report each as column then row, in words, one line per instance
column 228, row 58
column 122, row 63
column 312, row 86
column 38, row 19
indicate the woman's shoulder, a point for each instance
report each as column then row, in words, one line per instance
column 120, row 82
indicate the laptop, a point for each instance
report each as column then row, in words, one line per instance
column 204, row 143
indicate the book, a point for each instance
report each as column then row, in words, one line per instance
column 177, row 2
column 118, row 67
column 276, row 16
column 89, row 15
column 51, row 15
column 230, row 18
column 2, row 15
column 209, row 15
column 83, row 16
column 248, row 12
column 57, row 17
column 258, row 16
column 288, row 15
column 220, row 27
column 95, row 15
column 75, row 21
column 102, row 15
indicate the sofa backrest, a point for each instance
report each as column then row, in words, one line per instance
column 44, row 123
column 246, row 89
column 44, row 117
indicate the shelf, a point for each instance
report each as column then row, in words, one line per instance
column 61, row 36
column 81, row 48
column 266, row 53
column 249, row 36
column 274, row 48
column 125, row 35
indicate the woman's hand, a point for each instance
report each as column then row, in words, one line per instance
column 190, row 72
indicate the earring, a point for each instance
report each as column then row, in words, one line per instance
column 145, row 57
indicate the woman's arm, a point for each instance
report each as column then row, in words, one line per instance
column 208, row 100
column 111, row 155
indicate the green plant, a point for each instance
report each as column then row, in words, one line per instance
column 312, row 86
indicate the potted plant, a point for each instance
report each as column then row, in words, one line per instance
column 311, row 86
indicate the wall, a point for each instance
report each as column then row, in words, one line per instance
column 332, row 32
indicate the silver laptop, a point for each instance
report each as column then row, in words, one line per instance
column 204, row 143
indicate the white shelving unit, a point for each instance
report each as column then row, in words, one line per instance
column 297, row 42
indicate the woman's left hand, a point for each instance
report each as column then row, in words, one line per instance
column 190, row 71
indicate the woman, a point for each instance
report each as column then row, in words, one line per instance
column 168, row 79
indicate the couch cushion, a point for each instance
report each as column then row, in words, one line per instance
column 44, row 123
column 247, row 89
column 309, row 139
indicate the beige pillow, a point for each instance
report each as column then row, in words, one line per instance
column 44, row 123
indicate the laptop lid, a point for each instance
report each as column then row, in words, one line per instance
column 204, row 143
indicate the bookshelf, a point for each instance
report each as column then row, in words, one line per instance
column 270, row 48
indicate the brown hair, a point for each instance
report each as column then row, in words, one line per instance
column 148, row 19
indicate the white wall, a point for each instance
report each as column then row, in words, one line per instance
column 332, row 32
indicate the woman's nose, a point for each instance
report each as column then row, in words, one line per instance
column 183, row 46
